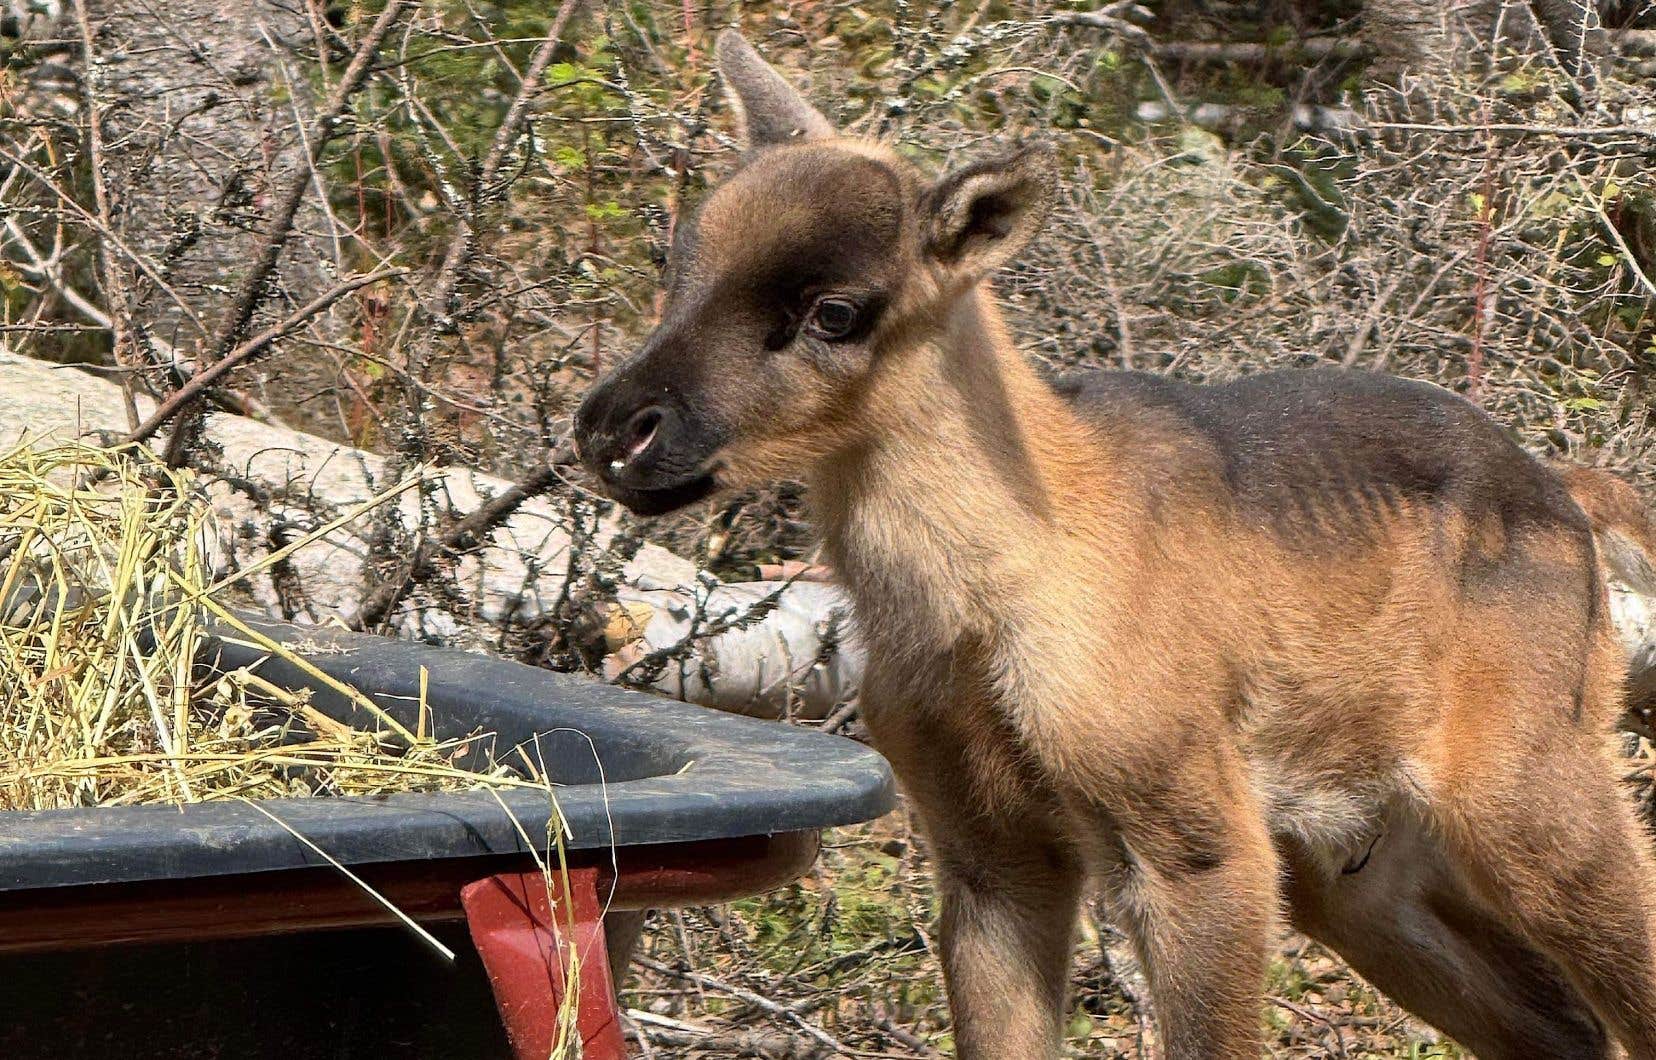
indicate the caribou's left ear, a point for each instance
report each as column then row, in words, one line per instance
column 769, row 110
column 980, row 215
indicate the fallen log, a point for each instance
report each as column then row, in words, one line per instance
column 1637, row 43
column 43, row 400
column 786, row 647
column 1339, row 122
column 800, row 659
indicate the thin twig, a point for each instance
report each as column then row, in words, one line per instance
column 467, row 533
column 251, row 350
column 1625, row 252
column 279, row 225
column 115, row 289
column 1580, row 132
column 749, row 997
column 460, row 248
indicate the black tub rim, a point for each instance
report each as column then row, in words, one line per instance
column 733, row 777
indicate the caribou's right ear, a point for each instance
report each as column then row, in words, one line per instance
column 768, row 109
column 980, row 215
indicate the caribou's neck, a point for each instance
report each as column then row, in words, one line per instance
column 965, row 492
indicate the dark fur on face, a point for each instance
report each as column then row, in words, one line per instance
column 779, row 286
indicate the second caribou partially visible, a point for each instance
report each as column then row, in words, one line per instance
column 1321, row 640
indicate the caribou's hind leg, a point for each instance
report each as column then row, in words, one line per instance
column 1409, row 925
column 1572, row 875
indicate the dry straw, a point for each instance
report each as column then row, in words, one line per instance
column 106, row 597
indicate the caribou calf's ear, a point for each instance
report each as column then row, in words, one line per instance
column 980, row 215
column 768, row 109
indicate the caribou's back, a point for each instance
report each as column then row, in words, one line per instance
column 1329, row 450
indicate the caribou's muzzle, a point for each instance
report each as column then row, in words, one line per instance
column 647, row 455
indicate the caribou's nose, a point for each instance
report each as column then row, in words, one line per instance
column 646, row 427
column 618, row 442
column 593, row 425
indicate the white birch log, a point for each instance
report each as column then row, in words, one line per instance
column 801, row 660
column 47, row 401
column 777, row 665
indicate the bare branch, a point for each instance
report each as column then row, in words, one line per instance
column 464, row 534
column 1315, row 49
column 1566, row 132
column 250, row 350
column 115, row 288
column 461, row 247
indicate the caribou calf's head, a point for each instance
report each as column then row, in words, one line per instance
column 820, row 263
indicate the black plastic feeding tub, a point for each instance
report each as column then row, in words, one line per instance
column 199, row 930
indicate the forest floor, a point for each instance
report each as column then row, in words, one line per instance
column 844, row 963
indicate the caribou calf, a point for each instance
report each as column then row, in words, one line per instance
column 1323, row 641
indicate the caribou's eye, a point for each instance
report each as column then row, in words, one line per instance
column 831, row 319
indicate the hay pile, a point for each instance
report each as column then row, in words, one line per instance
column 106, row 597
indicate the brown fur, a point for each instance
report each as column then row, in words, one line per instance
column 1621, row 523
column 1626, row 539
column 1321, row 639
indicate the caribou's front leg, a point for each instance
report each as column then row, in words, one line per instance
column 1009, row 883
column 1008, row 929
column 1198, row 892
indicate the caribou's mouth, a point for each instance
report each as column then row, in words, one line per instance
column 663, row 499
